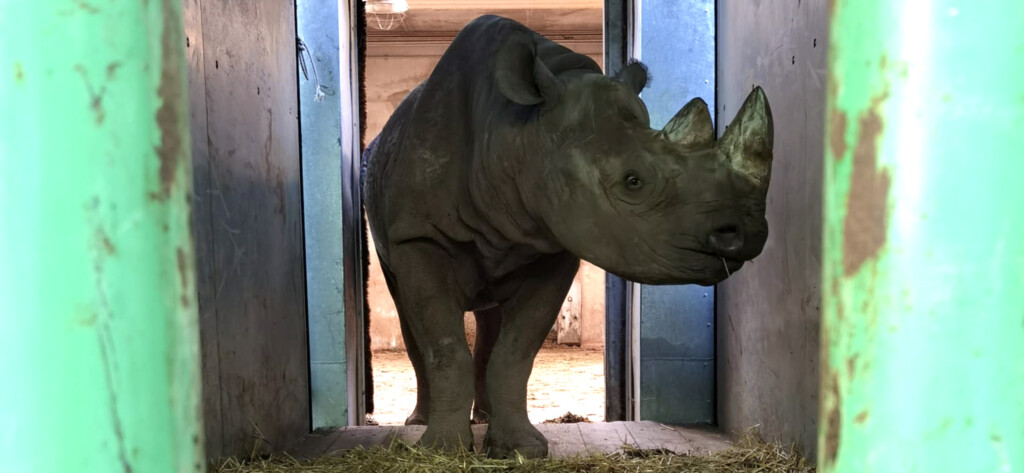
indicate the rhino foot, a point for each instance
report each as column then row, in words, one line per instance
column 416, row 418
column 503, row 439
column 448, row 437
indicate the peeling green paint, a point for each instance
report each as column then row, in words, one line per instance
column 98, row 333
column 922, row 359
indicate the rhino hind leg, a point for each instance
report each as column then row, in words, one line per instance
column 419, row 413
column 425, row 291
column 488, row 323
column 526, row 320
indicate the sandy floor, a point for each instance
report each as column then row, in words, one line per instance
column 563, row 379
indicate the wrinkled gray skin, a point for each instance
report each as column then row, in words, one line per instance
column 515, row 159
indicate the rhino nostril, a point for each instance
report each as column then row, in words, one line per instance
column 726, row 239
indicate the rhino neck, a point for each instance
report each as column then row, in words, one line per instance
column 502, row 185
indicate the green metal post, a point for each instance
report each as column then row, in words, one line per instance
column 923, row 330
column 98, row 328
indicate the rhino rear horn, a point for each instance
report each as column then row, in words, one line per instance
column 748, row 140
column 521, row 76
column 692, row 126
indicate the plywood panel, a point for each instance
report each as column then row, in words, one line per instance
column 259, row 357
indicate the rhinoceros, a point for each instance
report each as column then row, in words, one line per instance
column 515, row 159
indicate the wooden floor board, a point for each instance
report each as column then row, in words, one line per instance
column 563, row 439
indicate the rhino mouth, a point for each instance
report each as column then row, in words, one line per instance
column 687, row 266
column 732, row 264
column 722, row 266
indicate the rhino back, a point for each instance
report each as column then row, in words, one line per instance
column 418, row 169
column 425, row 172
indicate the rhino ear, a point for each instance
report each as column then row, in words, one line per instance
column 634, row 75
column 521, row 76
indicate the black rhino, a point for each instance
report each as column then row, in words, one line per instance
column 515, row 159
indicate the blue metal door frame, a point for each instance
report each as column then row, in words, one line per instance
column 329, row 124
column 660, row 366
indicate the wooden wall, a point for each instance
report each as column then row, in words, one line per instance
column 247, row 219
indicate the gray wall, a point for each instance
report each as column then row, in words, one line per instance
column 247, row 220
column 768, row 313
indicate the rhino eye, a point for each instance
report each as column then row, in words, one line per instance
column 633, row 182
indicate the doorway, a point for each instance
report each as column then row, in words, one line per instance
column 402, row 46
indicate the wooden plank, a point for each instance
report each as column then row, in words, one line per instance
column 249, row 57
column 546, row 21
column 606, row 437
column 479, row 431
column 315, row 444
column 587, row 44
column 653, row 435
column 564, row 440
column 365, row 436
column 706, row 439
column 202, row 228
column 405, row 433
column 592, row 310
column 476, row 5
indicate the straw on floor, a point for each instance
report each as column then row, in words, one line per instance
column 750, row 454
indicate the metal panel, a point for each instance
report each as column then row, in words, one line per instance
column 768, row 314
column 677, row 354
column 923, row 331
column 320, row 125
column 99, row 344
column 254, row 198
column 676, row 373
column 352, row 208
column 615, row 56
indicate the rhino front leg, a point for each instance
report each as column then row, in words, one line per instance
column 526, row 320
column 430, row 302
column 488, row 322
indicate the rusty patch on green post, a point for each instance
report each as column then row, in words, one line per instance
column 836, row 123
column 170, row 115
column 866, row 222
column 183, row 270
column 837, row 134
column 832, row 418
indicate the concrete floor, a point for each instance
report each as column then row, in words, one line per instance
column 564, row 439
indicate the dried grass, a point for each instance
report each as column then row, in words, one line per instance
column 751, row 454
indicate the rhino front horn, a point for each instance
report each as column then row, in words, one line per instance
column 691, row 127
column 747, row 142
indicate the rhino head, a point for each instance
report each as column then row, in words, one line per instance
column 669, row 206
